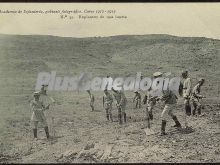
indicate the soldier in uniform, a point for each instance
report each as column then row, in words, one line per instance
column 170, row 100
column 92, row 99
column 38, row 109
column 107, row 104
column 186, row 95
column 121, row 104
column 137, row 99
column 196, row 96
column 152, row 97
column 151, row 102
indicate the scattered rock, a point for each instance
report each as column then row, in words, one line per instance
column 89, row 146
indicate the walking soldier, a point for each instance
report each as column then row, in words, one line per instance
column 107, row 104
column 121, row 104
column 196, row 96
column 38, row 109
column 170, row 100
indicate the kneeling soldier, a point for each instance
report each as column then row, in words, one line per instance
column 107, row 104
column 38, row 109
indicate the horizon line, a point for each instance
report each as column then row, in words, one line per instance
column 171, row 35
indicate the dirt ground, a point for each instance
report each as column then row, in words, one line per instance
column 80, row 135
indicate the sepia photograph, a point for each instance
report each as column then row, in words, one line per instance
column 109, row 83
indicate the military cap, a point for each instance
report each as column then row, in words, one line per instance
column 36, row 94
column 201, row 80
column 157, row 74
column 184, row 71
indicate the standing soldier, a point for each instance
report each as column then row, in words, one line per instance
column 47, row 100
column 170, row 100
column 137, row 99
column 107, row 104
column 151, row 102
column 38, row 109
column 121, row 104
column 92, row 99
column 196, row 96
column 152, row 97
column 186, row 95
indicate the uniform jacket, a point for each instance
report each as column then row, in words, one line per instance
column 120, row 98
column 186, row 87
column 108, row 99
column 169, row 97
column 38, row 109
column 196, row 92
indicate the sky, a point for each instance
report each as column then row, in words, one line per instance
column 179, row 19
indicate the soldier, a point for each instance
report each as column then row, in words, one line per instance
column 107, row 104
column 92, row 99
column 137, row 99
column 121, row 104
column 152, row 97
column 151, row 102
column 196, row 96
column 186, row 95
column 38, row 109
column 170, row 100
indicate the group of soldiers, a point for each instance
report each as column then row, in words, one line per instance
column 42, row 102
column 169, row 98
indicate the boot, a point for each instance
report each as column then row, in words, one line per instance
column 199, row 111
column 125, row 118
column 148, row 123
column 151, row 115
column 163, row 126
column 188, row 109
column 194, row 112
column 120, row 119
column 47, row 132
column 177, row 123
column 111, row 117
column 35, row 133
column 107, row 116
